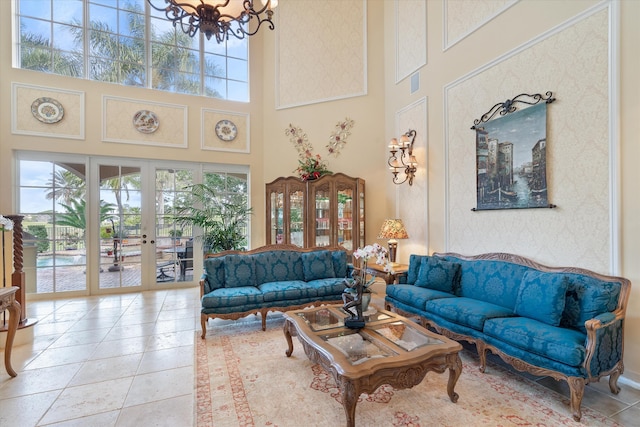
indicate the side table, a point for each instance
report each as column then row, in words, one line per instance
column 389, row 277
column 8, row 302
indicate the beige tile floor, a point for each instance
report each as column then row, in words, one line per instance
column 120, row 360
column 128, row 360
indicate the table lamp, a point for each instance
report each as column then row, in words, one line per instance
column 393, row 229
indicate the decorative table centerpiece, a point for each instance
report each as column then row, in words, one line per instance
column 357, row 294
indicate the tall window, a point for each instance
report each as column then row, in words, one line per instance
column 129, row 43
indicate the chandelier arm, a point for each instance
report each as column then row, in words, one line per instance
column 210, row 20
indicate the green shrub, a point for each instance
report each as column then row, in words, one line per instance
column 40, row 232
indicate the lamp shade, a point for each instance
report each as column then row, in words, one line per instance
column 393, row 229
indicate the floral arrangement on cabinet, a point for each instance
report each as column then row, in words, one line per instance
column 313, row 166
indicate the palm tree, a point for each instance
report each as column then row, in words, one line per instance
column 65, row 186
column 122, row 60
column 75, row 215
column 223, row 219
column 36, row 54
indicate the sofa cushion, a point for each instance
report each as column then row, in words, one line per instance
column 466, row 311
column 415, row 262
column 415, row 296
column 328, row 287
column 287, row 290
column 586, row 298
column 276, row 266
column 560, row 344
column 339, row 263
column 492, row 281
column 214, row 272
column 317, row 265
column 542, row 296
column 239, row 270
column 438, row 274
column 242, row 298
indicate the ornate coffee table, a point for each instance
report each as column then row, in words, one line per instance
column 390, row 349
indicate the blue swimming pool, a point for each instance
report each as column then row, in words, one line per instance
column 60, row 260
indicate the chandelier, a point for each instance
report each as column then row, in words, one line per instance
column 222, row 18
column 402, row 158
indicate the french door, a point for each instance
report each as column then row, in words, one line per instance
column 107, row 225
column 140, row 244
column 104, row 225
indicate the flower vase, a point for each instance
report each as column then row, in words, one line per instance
column 366, row 299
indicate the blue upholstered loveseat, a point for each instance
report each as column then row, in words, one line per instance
column 270, row 278
column 566, row 323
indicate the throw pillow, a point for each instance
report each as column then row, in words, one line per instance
column 239, row 270
column 339, row 263
column 542, row 296
column 214, row 273
column 317, row 265
column 438, row 274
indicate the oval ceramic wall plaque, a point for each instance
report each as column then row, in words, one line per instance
column 146, row 121
column 47, row 110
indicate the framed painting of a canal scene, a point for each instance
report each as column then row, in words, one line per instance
column 511, row 158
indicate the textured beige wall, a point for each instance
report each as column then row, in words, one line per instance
column 577, row 155
column 578, row 231
column 364, row 155
column 321, row 53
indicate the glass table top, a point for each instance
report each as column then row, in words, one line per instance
column 324, row 318
column 383, row 336
column 357, row 347
column 404, row 335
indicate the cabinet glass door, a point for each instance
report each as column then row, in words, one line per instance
column 277, row 217
column 361, row 215
column 322, row 217
column 296, row 218
column 345, row 218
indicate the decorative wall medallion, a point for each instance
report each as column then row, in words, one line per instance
column 146, row 121
column 47, row 110
column 226, row 130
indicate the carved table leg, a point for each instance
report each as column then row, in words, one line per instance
column 14, row 320
column 349, row 400
column 287, row 335
column 455, row 369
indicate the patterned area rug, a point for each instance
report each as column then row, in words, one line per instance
column 245, row 379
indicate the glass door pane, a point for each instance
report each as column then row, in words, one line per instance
column 345, row 218
column 277, row 217
column 120, row 219
column 361, row 242
column 173, row 241
column 322, row 216
column 53, row 202
column 296, row 218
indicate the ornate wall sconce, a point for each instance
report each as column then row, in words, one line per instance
column 402, row 157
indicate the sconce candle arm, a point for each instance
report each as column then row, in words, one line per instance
column 405, row 160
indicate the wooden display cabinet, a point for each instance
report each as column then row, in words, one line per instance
column 328, row 211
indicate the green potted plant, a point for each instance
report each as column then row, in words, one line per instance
column 222, row 219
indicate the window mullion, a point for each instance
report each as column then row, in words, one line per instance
column 147, row 43
column 86, row 25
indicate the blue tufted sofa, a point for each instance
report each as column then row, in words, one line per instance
column 566, row 323
column 270, row 278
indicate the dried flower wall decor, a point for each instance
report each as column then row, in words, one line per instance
column 312, row 166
